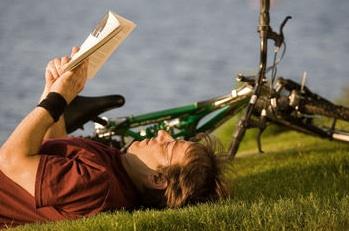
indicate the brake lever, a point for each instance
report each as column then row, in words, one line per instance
column 279, row 38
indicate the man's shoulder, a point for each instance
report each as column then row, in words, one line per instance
column 78, row 143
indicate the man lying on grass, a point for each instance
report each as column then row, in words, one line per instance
column 46, row 176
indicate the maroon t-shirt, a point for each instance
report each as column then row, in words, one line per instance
column 75, row 177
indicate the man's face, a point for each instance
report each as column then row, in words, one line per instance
column 163, row 150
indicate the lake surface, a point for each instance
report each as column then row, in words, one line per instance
column 181, row 51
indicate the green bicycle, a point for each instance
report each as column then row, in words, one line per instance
column 280, row 101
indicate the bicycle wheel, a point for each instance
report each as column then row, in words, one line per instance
column 331, row 111
column 327, row 109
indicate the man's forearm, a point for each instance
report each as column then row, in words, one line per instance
column 26, row 139
column 57, row 130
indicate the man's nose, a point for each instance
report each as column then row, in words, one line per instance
column 164, row 136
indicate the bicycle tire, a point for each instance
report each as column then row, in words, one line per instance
column 326, row 109
column 330, row 110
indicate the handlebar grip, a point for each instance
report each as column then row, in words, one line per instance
column 246, row 79
column 265, row 5
column 239, row 134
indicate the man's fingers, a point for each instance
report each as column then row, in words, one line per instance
column 51, row 68
column 74, row 50
column 49, row 75
column 57, row 63
column 64, row 60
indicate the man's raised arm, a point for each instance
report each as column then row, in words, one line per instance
column 18, row 155
column 53, row 71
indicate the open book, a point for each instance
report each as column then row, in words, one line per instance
column 109, row 33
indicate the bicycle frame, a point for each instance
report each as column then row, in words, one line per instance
column 181, row 122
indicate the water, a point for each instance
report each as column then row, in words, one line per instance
column 181, row 51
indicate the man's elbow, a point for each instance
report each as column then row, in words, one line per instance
column 8, row 157
column 3, row 158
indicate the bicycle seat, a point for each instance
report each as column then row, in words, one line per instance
column 83, row 109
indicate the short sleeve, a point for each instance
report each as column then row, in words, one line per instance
column 71, row 184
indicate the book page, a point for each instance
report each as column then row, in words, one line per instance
column 98, row 58
column 110, row 32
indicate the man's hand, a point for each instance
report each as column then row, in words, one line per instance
column 70, row 83
column 62, row 83
column 54, row 70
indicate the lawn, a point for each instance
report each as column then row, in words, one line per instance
column 300, row 183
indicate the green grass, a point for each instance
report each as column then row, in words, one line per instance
column 300, row 183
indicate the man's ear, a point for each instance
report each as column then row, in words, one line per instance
column 157, row 181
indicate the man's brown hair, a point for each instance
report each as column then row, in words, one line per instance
column 198, row 180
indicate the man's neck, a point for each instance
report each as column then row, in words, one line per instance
column 135, row 169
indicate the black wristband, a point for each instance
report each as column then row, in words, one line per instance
column 55, row 104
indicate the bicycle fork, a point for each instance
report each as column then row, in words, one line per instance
column 265, row 32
